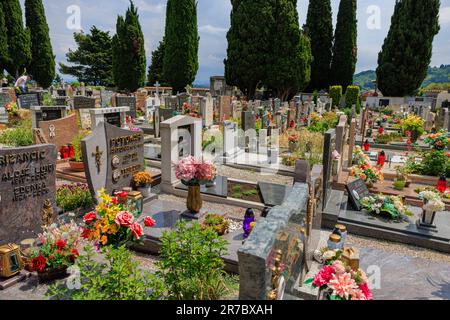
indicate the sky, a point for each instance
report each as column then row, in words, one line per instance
column 67, row 16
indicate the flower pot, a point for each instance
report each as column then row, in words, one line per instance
column 414, row 136
column 428, row 217
column 52, row 274
column 76, row 166
column 145, row 191
column 194, row 200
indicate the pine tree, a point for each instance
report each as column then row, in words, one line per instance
column 182, row 42
column 319, row 28
column 345, row 49
column 4, row 58
column 19, row 48
column 42, row 65
column 155, row 71
column 129, row 60
column 289, row 68
column 406, row 54
column 249, row 44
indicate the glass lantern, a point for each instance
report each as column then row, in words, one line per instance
column 135, row 201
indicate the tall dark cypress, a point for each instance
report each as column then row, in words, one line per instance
column 155, row 71
column 4, row 57
column 319, row 28
column 42, row 65
column 19, row 48
column 129, row 60
column 345, row 50
column 249, row 44
column 406, row 54
column 182, row 42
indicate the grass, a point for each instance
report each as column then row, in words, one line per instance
column 237, row 195
column 252, row 192
column 232, row 284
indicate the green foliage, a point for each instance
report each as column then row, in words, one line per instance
column 118, row 279
column 191, row 264
column 383, row 138
column 365, row 80
column 91, row 62
column 289, row 67
column 319, row 28
column 336, row 95
column 435, row 163
column 352, row 98
column 182, row 42
column 387, row 111
column 252, row 192
column 4, row 57
column 74, row 196
column 48, row 100
column 155, row 71
column 406, row 54
column 42, row 65
column 345, row 49
column 128, row 58
column 21, row 136
column 76, row 142
column 19, row 47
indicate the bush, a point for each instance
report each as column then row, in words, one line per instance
column 435, row 163
column 118, row 279
column 352, row 98
column 385, row 138
column 191, row 264
column 387, row 111
column 22, row 136
column 70, row 197
column 76, row 142
column 336, row 95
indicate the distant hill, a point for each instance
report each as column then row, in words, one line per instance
column 436, row 75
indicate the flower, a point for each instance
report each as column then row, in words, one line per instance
column 357, row 295
column 342, row 285
column 364, row 287
column 38, row 263
column 121, row 194
column 324, row 276
column 149, row 222
column 186, row 169
column 86, row 233
column 339, row 267
column 124, row 219
column 115, row 200
column 137, row 230
column 61, row 244
column 90, row 217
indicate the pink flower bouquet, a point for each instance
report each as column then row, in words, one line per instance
column 195, row 172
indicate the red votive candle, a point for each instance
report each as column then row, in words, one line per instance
column 381, row 158
column 366, row 146
column 442, row 184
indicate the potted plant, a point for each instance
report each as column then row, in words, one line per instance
column 218, row 223
column 414, row 125
column 401, row 181
column 143, row 183
column 57, row 250
column 367, row 173
column 293, row 142
column 193, row 173
column 432, row 203
column 76, row 163
column 438, row 141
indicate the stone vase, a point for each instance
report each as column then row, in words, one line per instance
column 427, row 215
column 194, row 200
column 145, row 191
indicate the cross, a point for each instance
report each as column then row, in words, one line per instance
column 157, row 85
column 98, row 158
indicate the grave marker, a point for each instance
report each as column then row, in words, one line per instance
column 60, row 132
column 129, row 102
column 26, row 101
column 80, row 102
column 357, row 190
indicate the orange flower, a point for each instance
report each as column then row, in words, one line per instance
column 363, row 177
column 104, row 240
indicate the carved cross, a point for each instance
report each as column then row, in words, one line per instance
column 98, row 158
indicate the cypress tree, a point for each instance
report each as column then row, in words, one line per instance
column 155, row 71
column 3, row 42
column 249, row 44
column 406, row 54
column 18, row 38
column 42, row 65
column 319, row 28
column 182, row 41
column 129, row 61
column 289, row 69
column 345, row 49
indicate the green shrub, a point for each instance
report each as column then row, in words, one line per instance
column 336, row 95
column 70, row 197
column 387, row 111
column 385, row 138
column 435, row 163
column 191, row 264
column 118, row 279
column 17, row 137
column 352, row 98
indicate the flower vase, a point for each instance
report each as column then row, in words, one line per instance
column 194, row 200
column 414, row 136
column 428, row 215
column 145, row 191
column 323, row 295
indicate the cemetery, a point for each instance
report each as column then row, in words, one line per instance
column 271, row 188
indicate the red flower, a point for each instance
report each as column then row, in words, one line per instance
column 86, row 233
column 90, row 217
column 38, row 263
column 61, row 244
column 75, row 252
column 122, row 194
column 137, row 230
column 149, row 222
column 366, row 291
column 124, row 219
column 114, row 200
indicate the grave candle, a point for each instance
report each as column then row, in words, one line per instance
column 64, row 152
column 71, row 151
column 381, row 159
column 380, row 130
column 442, row 184
column 366, row 146
column 248, row 220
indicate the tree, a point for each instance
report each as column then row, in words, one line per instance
column 4, row 58
column 92, row 60
column 155, row 71
column 182, row 41
column 42, row 65
column 345, row 49
column 406, row 54
column 19, row 48
column 319, row 28
column 249, row 44
column 129, row 60
column 289, row 67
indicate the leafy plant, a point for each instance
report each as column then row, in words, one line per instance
column 118, row 279
column 217, row 222
column 17, row 137
column 74, row 196
column 249, row 193
column 191, row 264
column 76, row 142
column 336, row 95
column 384, row 138
column 435, row 163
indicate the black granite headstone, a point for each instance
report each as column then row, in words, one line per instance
column 29, row 100
column 80, row 102
column 113, row 118
column 4, row 99
column 49, row 115
column 357, row 190
column 127, row 102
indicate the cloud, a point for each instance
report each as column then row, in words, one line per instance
column 444, row 16
column 211, row 30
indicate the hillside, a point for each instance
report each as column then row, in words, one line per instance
column 435, row 75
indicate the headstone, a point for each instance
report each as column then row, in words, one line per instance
column 248, row 120
column 4, row 99
column 207, row 110
column 47, row 113
column 302, row 172
column 447, row 119
column 26, row 101
column 329, row 147
column 230, row 139
column 60, row 101
column 114, row 116
column 60, row 132
column 80, row 102
column 351, row 142
column 27, row 191
column 61, row 92
column 3, row 116
column 224, row 108
column 106, row 97
column 111, row 156
column 357, row 190
column 129, row 102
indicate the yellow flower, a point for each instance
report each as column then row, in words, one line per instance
column 104, row 240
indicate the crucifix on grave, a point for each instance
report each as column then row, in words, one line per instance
column 157, row 85
column 188, row 89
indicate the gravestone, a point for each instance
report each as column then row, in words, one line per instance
column 329, row 147
column 357, row 190
column 3, row 116
column 60, row 101
column 111, row 156
column 106, row 97
column 351, row 143
column 114, row 116
column 61, row 92
column 47, row 113
column 248, row 120
column 161, row 115
column 230, row 139
column 60, row 132
column 27, row 190
column 129, row 102
column 224, row 108
column 207, row 110
column 80, row 102
column 26, row 101
column 4, row 99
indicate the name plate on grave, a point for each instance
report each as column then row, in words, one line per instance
column 27, row 101
column 127, row 102
column 113, row 119
column 27, row 191
column 83, row 103
column 357, row 190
